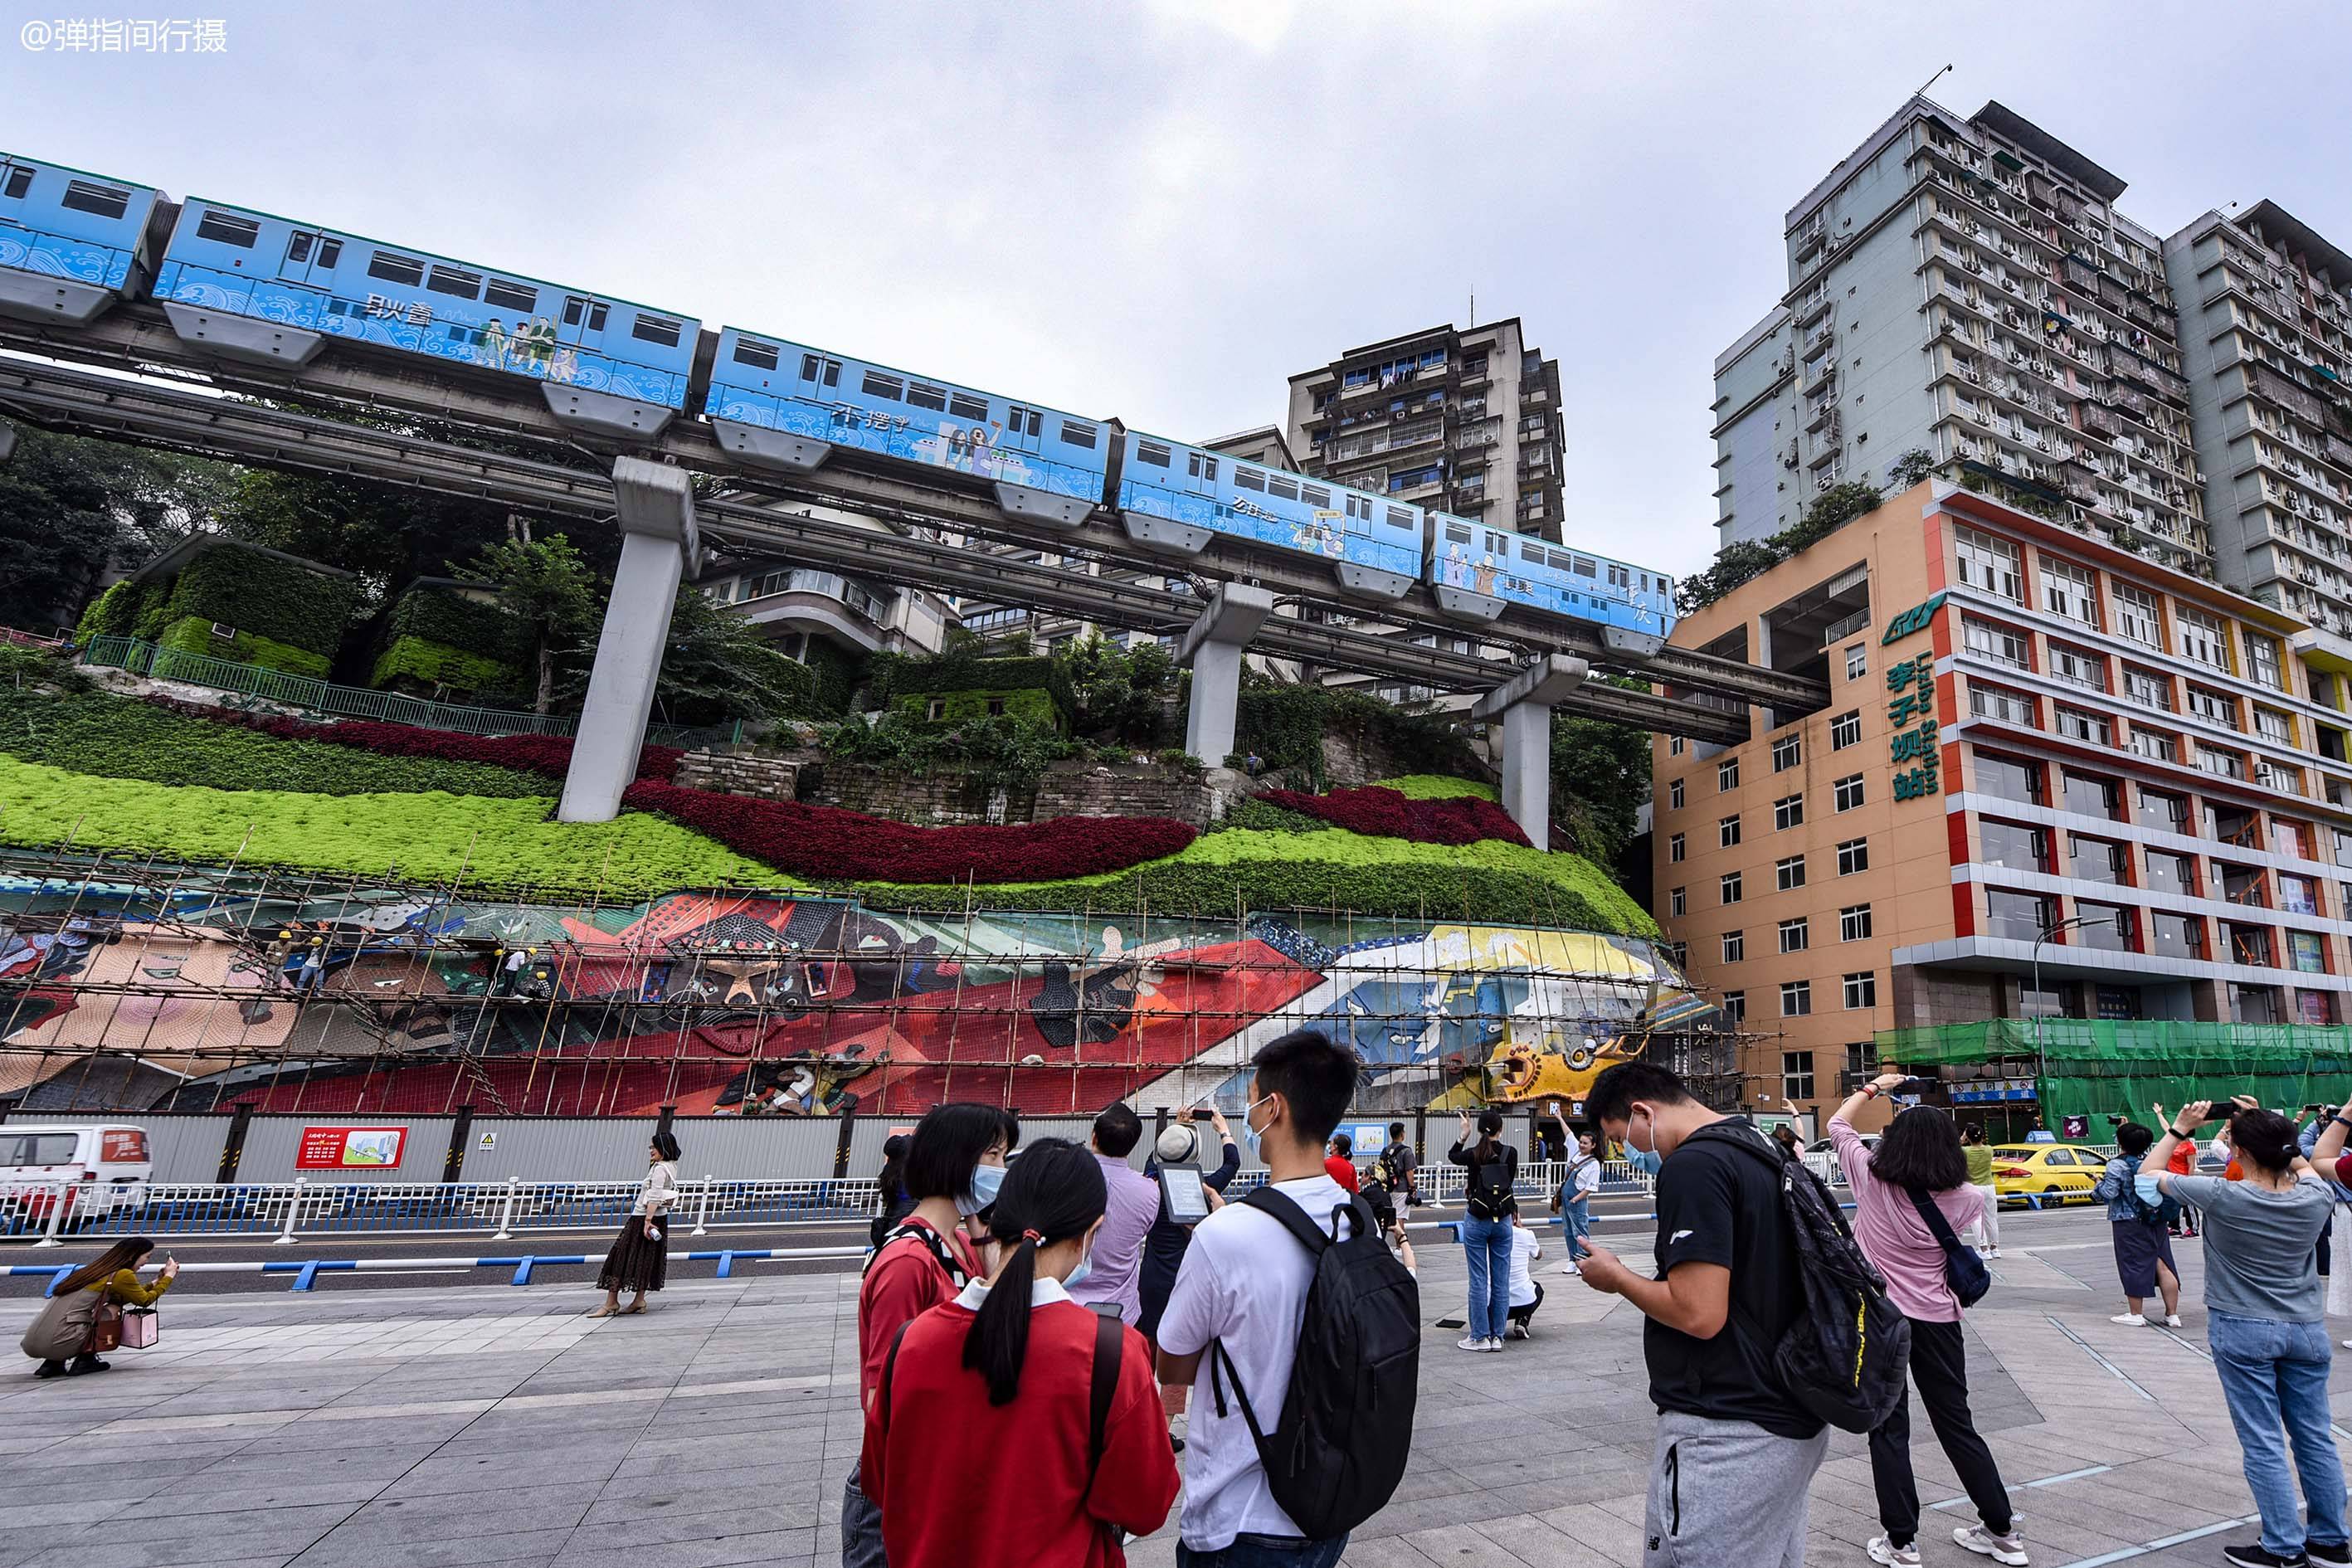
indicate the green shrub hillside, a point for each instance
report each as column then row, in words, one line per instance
column 271, row 599
column 1438, row 787
column 193, row 633
column 117, row 737
column 507, row 843
column 421, row 662
column 436, row 635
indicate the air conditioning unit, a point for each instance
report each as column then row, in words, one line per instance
column 226, row 634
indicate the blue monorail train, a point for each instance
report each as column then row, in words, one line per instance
column 244, row 285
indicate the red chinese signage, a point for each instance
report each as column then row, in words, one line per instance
column 350, row 1148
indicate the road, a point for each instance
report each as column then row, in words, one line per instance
column 1621, row 1222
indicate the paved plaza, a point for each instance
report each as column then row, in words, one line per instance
column 446, row 1426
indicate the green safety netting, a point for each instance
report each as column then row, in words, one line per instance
column 2102, row 1066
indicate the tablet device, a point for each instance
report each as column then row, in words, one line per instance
column 1188, row 1196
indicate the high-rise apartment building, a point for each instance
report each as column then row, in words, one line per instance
column 1966, row 287
column 2054, row 780
column 1466, row 420
column 2266, row 311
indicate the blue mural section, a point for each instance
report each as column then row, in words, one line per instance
column 251, row 264
column 803, row 391
column 56, row 222
column 1208, row 490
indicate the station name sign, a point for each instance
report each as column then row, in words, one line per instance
column 1914, row 619
column 1911, row 708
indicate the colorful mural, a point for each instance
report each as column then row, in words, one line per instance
column 756, row 1004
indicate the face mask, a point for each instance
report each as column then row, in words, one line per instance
column 1250, row 1133
column 1086, row 1267
column 1647, row 1161
column 985, row 1180
column 2147, row 1192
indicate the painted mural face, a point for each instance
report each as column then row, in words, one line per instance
column 758, row 1005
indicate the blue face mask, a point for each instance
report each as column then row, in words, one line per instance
column 1086, row 1267
column 1647, row 1161
column 1250, row 1134
column 2146, row 1190
column 985, row 1180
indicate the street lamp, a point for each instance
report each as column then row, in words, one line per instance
column 2041, row 1059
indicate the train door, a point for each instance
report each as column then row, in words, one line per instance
column 1025, row 428
column 1201, row 474
column 310, row 259
column 818, row 380
column 579, row 326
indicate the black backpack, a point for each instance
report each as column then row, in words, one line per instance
column 1844, row 1356
column 1336, row 1456
column 1489, row 1189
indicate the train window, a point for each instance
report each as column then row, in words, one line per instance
column 1075, row 433
column 964, row 405
column 1286, row 488
column 761, row 354
column 453, row 281
column 660, row 329
column 923, row 395
column 1621, row 578
column 330, row 252
column 1400, row 518
column 1313, row 495
column 106, row 201
column 1153, row 452
column 511, row 296
column 1200, row 466
column 1248, row 478
column 1026, row 421
column 298, row 247
column 387, row 264
column 814, row 367
column 20, row 180
column 575, row 307
column 228, row 228
column 877, row 385
column 1583, row 567
column 1458, row 532
column 1534, row 552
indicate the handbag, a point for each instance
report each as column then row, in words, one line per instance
column 1964, row 1270
column 106, row 1331
column 142, row 1327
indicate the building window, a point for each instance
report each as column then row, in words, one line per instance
column 1853, row 855
column 2226, row 765
column 1727, row 887
column 2291, row 839
column 1677, row 902
column 1995, row 644
column 1674, row 794
column 1857, row 662
column 2148, row 688
column 2007, row 778
column 2176, row 936
column 1675, row 847
column 1846, row 794
column 2213, row 707
column 2095, row 860
column 2136, row 616
column 1726, row 833
column 1861, row 1062
column 1795, row 935
column 2154, row 744
column 2273, row 725
column 2306, row 953
column 1861, row 991
column 2315, row 1007
column 1997, row 702
column 1846, row 730
column 1797, row 1001
column 2088, row 794
column 1787, row 811
column 1726, row 773
column 2068, row 589
column 2165, row 812
column 2262, row 661
column 1988, row 563
column 2077, row 725
column 2199, row 637
column 1796, row 1066
column 2078, row 668
column 2021, row 917
column 1674, row 746
column 2169, row 873
column 1734, row 946
column 1854, row 923
column 1786, row 754
column 2009, row 844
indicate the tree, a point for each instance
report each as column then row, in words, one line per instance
column 1737, row 563
column 388, row 535
column 1909, row 467
column 72, row 508
column 1120, row 694
column 717, row 667
column 545, row 585
column 1600, row 777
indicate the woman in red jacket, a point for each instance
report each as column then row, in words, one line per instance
column 993, row 1396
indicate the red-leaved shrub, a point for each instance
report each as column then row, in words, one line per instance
column 826, row 843
column 549, row 754
column 1463, row 819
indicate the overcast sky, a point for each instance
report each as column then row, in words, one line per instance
column 1158, row 209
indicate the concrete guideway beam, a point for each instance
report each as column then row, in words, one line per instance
column 1213, row 648
column 658, row 542
column 1524, row 704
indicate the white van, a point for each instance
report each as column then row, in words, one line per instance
column 106, row 1163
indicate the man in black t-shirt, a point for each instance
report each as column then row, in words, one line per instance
column 1734, row 1453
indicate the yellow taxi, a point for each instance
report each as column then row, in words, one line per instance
column 2045, row 1174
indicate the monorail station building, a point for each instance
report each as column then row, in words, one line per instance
column 2055, row 782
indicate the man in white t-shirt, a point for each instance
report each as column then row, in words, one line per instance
column 1244, row 1283
column 1525, row 1294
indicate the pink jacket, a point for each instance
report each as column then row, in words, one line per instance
column 1895, row 1237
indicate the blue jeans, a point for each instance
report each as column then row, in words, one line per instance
column 1266, row 1552
column 1577, row 1212
column 2275, row 1374
column 1488, row 1243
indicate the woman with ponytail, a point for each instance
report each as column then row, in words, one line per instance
column 993, row 1396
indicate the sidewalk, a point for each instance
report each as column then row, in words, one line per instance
column 433, row 1428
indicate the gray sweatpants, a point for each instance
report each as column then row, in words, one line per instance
column 1727, row 1492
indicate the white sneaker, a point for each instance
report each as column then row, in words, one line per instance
column 2129, row 1320
column 2172, row 1320
column 1516, row 1331
column 1894, row 1556
column 2008, row 1549
column 1470, row 1342
column 1495, row 1346
column 1992, row 1252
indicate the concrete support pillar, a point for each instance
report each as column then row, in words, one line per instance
column 7, row 440
column 1523, row 706
column 1213, row 648
column 656, row 517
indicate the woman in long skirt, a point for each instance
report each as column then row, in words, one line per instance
column 640, row 1258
